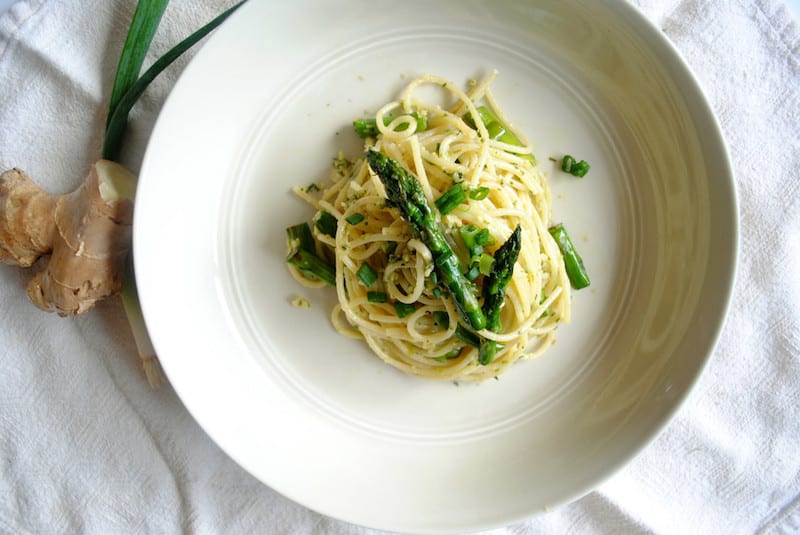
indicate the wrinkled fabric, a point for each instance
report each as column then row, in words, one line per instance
column 88, row 447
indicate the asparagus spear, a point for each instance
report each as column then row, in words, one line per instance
column 494, row 286
column 494, row 290
column 405, row 193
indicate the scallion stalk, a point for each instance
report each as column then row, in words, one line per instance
column 127, row 89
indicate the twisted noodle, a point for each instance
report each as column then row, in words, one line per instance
column 538, row 295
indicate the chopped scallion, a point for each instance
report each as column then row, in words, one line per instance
column 450, row 199
column 574, row 167
column 377, row 297
column 327, row 224
column 355, row 219
column 473, row 272
column 403, row 309
column 485, row 263
column 478, row 194
column 367, row 275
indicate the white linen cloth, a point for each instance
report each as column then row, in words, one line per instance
column 86, row 446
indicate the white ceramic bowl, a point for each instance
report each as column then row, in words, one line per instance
column 265, row 106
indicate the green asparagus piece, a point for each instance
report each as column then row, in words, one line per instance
column 404, row 192
column 578, row 276
column 494, row 291
column 302, row 255
column 494, row 285
column 369, row 127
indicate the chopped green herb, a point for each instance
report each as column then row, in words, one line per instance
column 312, row 187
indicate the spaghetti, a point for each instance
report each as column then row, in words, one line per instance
column 386, row 280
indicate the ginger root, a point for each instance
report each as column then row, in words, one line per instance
column 87, row 234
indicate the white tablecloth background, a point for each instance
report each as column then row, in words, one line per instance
column 86, row 446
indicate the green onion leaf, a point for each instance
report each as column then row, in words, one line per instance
column 118, row 113
column 450, row 199
column 140, row 34
column 367, row 275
